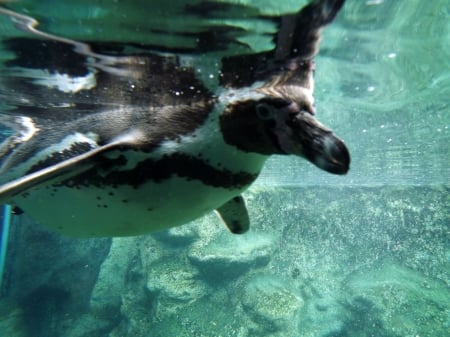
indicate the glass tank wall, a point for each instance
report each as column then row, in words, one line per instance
column 358, row 255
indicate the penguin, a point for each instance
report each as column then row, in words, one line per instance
column 138, row 144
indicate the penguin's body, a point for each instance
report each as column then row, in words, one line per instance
column 179, row 150
column 129, row 189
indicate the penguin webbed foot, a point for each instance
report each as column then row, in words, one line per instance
column 234, row 214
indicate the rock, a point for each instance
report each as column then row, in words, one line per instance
column 229, row 256
column 272, row 305
column 322, row 316
column 12, row 319
column 87, row 326
column 38, row 257
column 178, row 236
column 174, row 284
column 397, row 301
column 111, row 282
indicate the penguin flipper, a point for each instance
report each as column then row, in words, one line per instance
column 234, row 214
column 296, row 44
column 69, row 167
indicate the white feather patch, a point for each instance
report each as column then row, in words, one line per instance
column 29, row 128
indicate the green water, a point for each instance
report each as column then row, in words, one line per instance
column 367, row 254
column 382, row 75
column 383, row 80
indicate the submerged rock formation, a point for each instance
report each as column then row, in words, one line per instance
column 271, row 304
column 397, row 301
column 229, row 256
column 376, row 262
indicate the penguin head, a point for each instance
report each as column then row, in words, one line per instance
column 282, row 121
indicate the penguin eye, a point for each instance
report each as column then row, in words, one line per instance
column 264, row 111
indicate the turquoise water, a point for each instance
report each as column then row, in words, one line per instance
column 366, row 254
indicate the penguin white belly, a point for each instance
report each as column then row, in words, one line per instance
column 123, row 211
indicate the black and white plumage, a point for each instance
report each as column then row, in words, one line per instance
column 173, row 149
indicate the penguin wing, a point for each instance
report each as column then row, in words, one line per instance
column 69, row 167
column 234, row 214
column 296, row 43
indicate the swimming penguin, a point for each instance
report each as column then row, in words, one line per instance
column 176, row 149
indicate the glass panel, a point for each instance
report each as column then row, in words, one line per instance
column 361, row 254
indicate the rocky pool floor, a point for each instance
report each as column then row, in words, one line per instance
column 318, row 261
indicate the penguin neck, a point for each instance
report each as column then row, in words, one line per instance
column 208, row 144
column 223, row 154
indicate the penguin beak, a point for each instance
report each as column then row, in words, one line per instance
column 313, row 141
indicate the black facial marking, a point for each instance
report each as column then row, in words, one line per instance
column 242, row 128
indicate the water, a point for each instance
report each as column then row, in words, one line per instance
column 382, row 79
column 366, row 254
